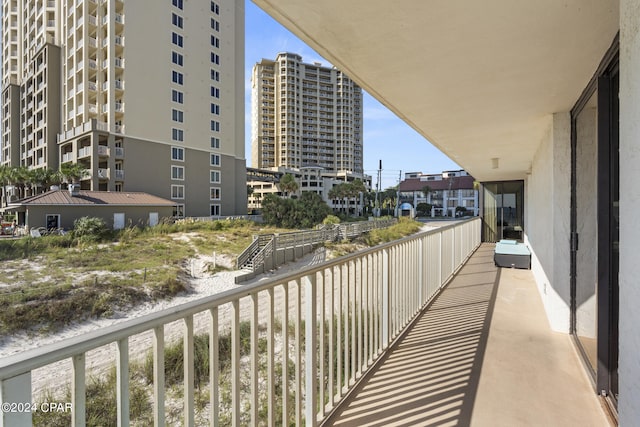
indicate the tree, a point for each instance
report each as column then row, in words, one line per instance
column 5, row 176
column 73, row 172
column 288, row 184
column 305, row 212
column 338, row 192
column 19, row 177
column 426, row 190
column 347, row 190
column 40, row 179
column 423, row 209
column 312, row 208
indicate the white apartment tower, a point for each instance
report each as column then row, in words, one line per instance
column 305, row 115
column 148, row 95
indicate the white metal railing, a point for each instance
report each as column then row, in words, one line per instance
column 323, row 327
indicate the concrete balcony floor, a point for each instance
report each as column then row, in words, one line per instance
column 481, row 355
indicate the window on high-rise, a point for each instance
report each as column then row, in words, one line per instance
column 177, row 191
column 177, row 172
column 177, row 153
column 177, row 134
column 177, row 77
column 177, row 39
column 177, row 58
column 177, row 3
column 177, row 96
column 176, row 20
column 178, row 210
column 215, row 193
column 215, row 8
column 177, row 115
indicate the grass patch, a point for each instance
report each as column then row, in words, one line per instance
column 56, row 280
column 403, row 228
column 101, row 403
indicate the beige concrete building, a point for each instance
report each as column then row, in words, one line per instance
column 147, row 96
column 305, row 115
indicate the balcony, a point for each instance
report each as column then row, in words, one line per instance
column 103, row 174
column 119, row 175
column 84, row 152
column 103, row 151
column 411, row 324
column 67, row 157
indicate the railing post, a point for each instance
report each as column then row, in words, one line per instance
column 311, row 356
column 78, row 391
column 15, row 390
column 235, row 363
column 421, row 249
column 254, row 359
column 214, row 368
column 122, row 381
column 385, row 299
column 158, row 376
column 188, row 358
column 440, row 259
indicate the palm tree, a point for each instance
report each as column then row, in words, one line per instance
column 426, row 190
column 288, row 184
column 338, row 192
column 19, row 176
column 5, row 173
column 72, row 172
column 42, row 179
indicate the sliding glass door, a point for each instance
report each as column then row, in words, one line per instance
column 594, row 227
column 503, row 211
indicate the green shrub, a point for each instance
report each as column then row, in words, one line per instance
column 403, row 228
column 331, row 219
column 90, row 229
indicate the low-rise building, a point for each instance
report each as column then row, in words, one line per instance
column 309, row 178
column 60, row 208
column 445, row 192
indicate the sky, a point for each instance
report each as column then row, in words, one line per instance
column 383, row 130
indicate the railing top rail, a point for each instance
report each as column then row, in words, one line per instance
column 29, row 360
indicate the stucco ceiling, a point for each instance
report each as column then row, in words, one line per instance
column 479, row 79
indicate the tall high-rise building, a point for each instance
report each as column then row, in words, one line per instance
column 305, row 115
column 147, row 95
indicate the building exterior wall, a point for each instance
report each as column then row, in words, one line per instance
column 547, row 220
column 629, row 346
column 192, row 187
column 305, row 115
column 88, row 92
column 10, row 144
column 134, row 215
